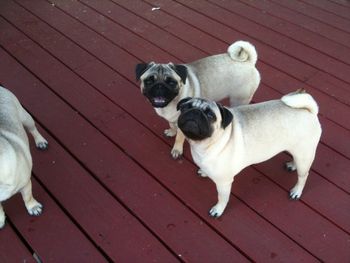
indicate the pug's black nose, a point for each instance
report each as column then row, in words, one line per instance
column 191, row 127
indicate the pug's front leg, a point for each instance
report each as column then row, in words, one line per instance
column 2, row 217
column 177, row 150
column 224, row 191
column 172, row 131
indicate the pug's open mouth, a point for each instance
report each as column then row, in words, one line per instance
column 159, row 102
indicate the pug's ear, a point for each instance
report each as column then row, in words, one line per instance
column 182, row 102
column 181, row 70
column 141, row 68
column 226, row 116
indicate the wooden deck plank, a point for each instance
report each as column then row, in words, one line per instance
column 284, row 14
column 281, row 27
column 316, row 13
column 52, row 236
column 12, row 248
column 330, row 7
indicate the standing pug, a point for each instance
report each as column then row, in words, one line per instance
column 15, row 157
column 232, row 74
column 224, row 141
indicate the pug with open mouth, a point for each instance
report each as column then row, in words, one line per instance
column 15, row 157
column 224, row 141
column 232, row 74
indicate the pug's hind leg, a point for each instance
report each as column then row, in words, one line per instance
column 290, row 166
column 172, row 131
column 177, row 150
column 2, row 217
column 224, row 191
column 34, row 208
column 303, row 165
column 28, row 122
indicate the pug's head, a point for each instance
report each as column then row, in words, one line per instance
column 161, row 83
column 200, row 118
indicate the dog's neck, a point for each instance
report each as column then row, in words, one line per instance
column 213, row 145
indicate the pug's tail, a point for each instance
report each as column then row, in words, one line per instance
column 243, row 51
column 301, row 100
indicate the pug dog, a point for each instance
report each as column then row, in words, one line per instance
column 232, row 74
column 15, row 157
column 224, row 141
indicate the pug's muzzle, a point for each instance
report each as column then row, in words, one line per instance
column 195, row 125
column 160, row 94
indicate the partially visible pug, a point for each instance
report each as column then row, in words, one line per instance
column 224, row 141
column 15, row 157
column 232, row 74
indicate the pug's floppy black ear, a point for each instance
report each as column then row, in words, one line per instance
column 140, row 69
column 181, row 70
column 226, row 116
column 182, row 102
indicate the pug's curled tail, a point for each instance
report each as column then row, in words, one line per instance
column 301, row 100
column 243, row 51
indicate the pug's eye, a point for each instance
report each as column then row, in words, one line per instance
column 171, row 82
column 149, row 80
column 210, row 114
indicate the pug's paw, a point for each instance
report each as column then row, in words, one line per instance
column 43, row 145
column 295, row 193
column 176, row 153
column 290, row 166
column 35, row 209
column 201, row 173
column 216, row 211
column 170, row 132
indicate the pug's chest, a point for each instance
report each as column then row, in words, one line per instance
column 169, row 113
column 211, row 166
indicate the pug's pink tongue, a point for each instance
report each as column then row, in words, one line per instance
column 159, row 100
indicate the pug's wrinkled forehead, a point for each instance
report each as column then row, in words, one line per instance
column 198, row 103
column 161, row 71
column 202, row 104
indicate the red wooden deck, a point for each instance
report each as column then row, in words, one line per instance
column 110, row 189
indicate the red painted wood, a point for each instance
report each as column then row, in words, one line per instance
column 288, row 84
column 295, row 33
column 51, row 235
column 272, row 80
column 281, row 244
column 171, row 222
column 262, row 92
column 319, row 27
column 107, row 78
column 112, row 227
column 12, row 248
column 118, row 131
column 316, row 13
column 330, row 7
column 86, row 75
column 278, row 42
column 276, row 214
